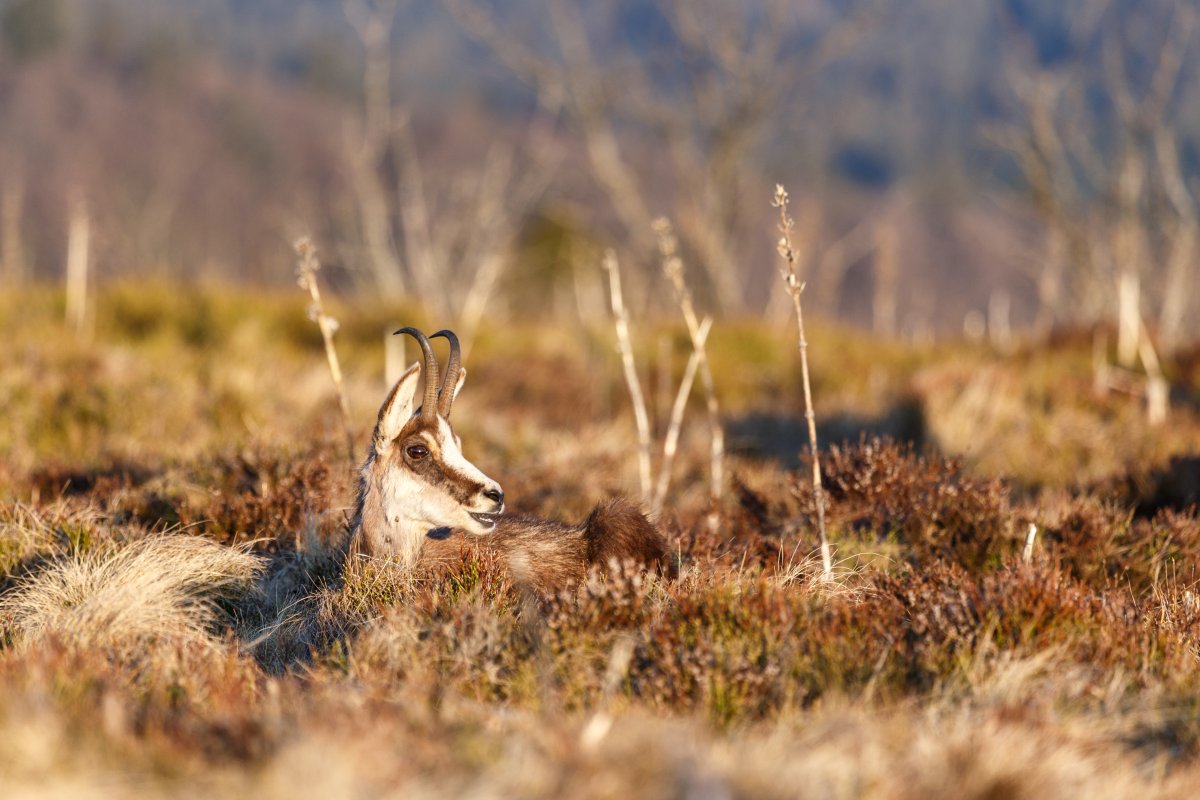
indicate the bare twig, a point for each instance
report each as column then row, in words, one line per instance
column 671, row 440
column 625, row 344
column 663, row 378
column 307, row 278
column 1157, row 388
column 795, row 288
column 673, row 269
column 1030, row 538
column 78, row 247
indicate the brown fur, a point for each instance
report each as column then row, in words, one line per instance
column 367, row 514
column 540, row 554
column 548, row 556
column 617, row 531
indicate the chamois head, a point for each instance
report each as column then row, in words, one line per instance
column 415, row 480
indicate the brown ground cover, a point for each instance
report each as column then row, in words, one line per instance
column 175, row 617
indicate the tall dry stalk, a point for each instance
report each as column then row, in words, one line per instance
column 78, row 248
column 1155, row 388
column 671, row 440
column 654, row 491
column 625, row 345
column 672, row 266
column 1129, row 318
column 307, row 278
column 1158, row 390
column 795, row 288
column 1030, row 538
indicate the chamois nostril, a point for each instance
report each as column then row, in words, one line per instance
column 495, row 495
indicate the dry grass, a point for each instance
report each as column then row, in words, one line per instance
column 127, row 600
column 144, row 652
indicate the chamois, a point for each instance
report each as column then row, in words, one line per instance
column 421, row 501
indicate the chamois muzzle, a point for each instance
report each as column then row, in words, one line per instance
column 488, row 518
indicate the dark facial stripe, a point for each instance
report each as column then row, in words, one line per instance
column 457, row 485
column 433, row 470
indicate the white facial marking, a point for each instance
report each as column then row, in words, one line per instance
column 454, row 461
column 414, row 507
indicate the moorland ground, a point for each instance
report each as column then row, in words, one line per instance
column 175, row 619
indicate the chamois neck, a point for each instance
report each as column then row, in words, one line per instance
column 382, row 527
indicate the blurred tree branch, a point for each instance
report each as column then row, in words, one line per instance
column 444, row 236
column 708, row 94
column 1102, row 175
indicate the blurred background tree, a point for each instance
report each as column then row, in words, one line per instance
column 945, row 158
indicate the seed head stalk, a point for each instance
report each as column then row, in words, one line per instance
column 307, row 278
column 794, row 288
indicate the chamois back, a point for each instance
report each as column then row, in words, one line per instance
column 548, row 556
column 618, row 532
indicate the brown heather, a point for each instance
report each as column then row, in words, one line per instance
column 176, row 616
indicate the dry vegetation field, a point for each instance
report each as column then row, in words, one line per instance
column 175, row 620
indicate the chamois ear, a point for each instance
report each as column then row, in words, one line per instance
column 462, row 378
column 397, row 409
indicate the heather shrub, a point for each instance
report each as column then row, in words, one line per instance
column 930, row 506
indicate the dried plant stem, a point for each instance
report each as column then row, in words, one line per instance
column 625, row 345
column 1157, row 389
column 307, row 274
column 1030, row 538
column 795, row 288
column 663, row 378
column 673, row 268
column 671, row 441
column 78, row 246
column 1129, row 318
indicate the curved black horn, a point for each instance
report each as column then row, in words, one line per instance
column 453, row 368
column 429, row 403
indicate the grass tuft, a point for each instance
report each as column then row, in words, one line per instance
column 127, row 600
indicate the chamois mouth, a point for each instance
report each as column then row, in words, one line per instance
column 488, row 520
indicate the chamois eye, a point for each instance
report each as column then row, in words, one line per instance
column 416, row 452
